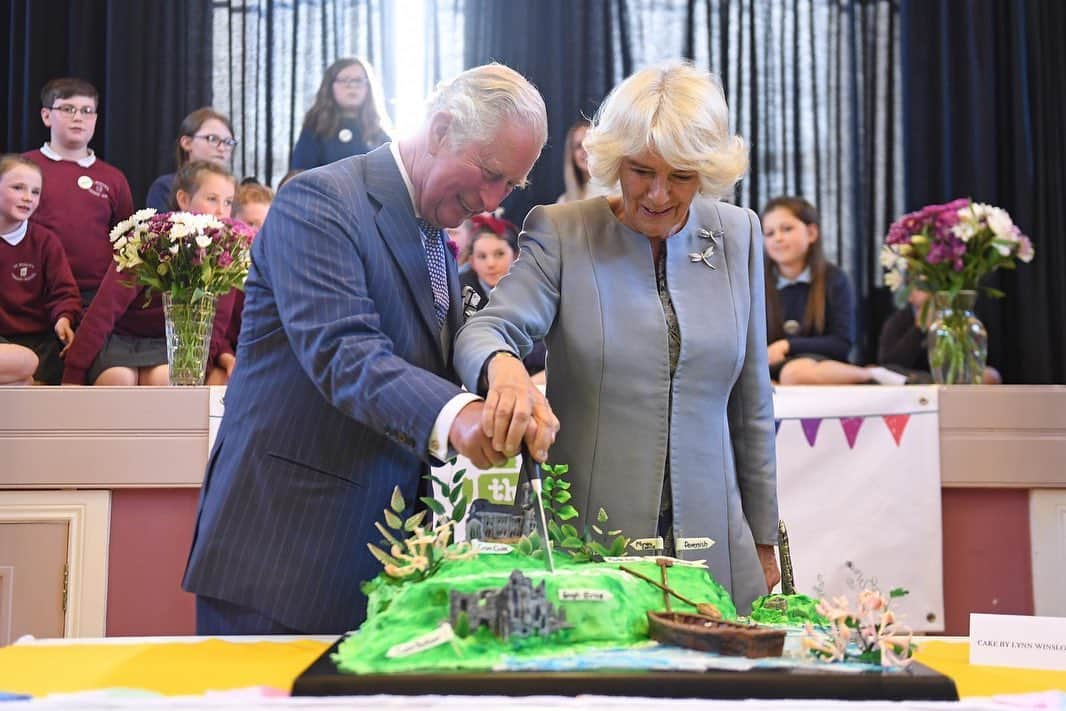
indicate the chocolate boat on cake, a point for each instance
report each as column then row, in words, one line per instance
column 688, row 629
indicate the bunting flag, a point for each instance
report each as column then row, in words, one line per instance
column 851, row 426
column 810, row 428
column 896, row 425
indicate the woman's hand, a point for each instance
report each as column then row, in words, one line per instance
column 65, row 334
column 778, row 351
column 768, row 561
column 515, row 410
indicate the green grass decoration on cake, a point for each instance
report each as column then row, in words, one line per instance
column 792, row 610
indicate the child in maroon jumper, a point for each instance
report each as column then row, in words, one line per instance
column 121, row 340
column 83, row 197
column 39, row 301
column 250, row 207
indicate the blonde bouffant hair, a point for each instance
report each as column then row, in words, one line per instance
column 677, row 111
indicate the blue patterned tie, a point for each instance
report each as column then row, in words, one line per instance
column 438, row 270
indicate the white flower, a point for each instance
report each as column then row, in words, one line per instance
column 120, row 229
column 142, row 215
column 203, row 241
column 120, row 243
column 964, row 230
column 893, row 280
column 174, row 248
column 888, row 257
column 1004, row 248
column 180, row 231
column 1025, row 249
column 1001, row 223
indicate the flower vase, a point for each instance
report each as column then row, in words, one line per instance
column 957, row 340
column 188, row 325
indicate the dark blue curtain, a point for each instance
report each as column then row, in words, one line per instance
column 984, row 115
column 569, row 50
column 149, row 59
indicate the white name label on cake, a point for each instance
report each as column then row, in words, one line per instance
column 492, row 548
column 1018, row 641
column 585, row 595
column 694, row 544
column 437, row 637
column 647, row 544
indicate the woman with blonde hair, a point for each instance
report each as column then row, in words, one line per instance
column 346, row 119
column 652, row 307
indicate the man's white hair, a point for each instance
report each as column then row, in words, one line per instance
column 481, row 99
column 677, row 111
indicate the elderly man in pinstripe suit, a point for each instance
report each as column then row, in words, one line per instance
column 344, row 387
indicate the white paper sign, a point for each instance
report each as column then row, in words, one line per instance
column 1018, row 641
column 583, row 595
column 437, row 637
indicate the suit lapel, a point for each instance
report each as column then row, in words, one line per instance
column 395, row 220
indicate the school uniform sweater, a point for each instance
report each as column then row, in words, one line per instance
column 80, row 202
column 36, row 285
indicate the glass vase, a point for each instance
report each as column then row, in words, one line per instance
column 957, row 340
column 188, row 325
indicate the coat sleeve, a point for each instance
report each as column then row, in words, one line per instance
column 62, row 297
column 311, row 256
column 305, row 154
column 751, row 410
column 523, row 304
column 112, row 300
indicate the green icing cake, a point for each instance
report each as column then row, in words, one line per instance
column 400, row 613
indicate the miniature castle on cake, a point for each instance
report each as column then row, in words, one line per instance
column 517, row 609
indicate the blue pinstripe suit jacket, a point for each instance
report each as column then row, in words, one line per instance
column 341, row 375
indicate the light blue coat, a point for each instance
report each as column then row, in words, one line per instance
column 586, row 284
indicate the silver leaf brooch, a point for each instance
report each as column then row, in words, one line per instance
column 715, row 237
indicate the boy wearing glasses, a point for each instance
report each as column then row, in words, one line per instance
column 82, row 196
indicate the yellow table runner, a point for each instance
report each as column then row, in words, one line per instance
column 168, row 668
column 953, row 659
column 198, row 667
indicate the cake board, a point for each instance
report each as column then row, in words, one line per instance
column 916, row 683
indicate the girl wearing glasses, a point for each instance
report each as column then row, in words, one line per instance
column 205, row 134
column 346, row 119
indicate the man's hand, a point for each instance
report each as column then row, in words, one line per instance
column 516, row 410
column 768, row 561
column 470, row 440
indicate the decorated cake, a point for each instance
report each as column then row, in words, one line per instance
column 442, row 606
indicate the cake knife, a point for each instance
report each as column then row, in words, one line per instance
column 532, row 470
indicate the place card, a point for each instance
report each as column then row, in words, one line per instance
column 647, row 544
column 437, row 637
column 585, row 595
column 491, row 547
column 1022, row 641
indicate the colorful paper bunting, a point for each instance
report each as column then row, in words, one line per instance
column 851, row 426
column 896, row 425
column 810, row 428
